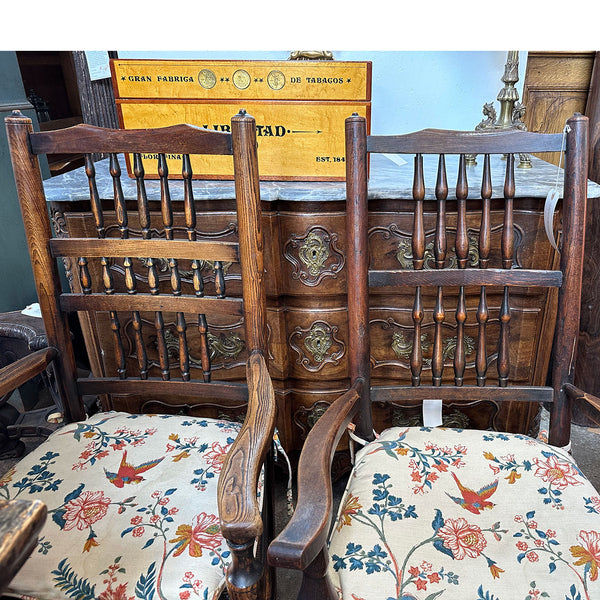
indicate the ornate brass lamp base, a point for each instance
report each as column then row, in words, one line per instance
column 511, row 110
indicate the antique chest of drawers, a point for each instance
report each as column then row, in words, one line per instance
column 304, row 228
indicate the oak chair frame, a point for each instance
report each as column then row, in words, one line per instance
column 239, row 512
column 303, row 543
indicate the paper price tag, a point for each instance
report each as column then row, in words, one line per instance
column 432, row 413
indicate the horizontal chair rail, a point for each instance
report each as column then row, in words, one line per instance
column 446, row 277
column 156, row 248
column 439, row 141
column 151, row 303
column 173, row 387
column 414, row 396
column 87, row 139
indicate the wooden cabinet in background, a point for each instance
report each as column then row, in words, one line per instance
column 305, row 262
column 555, row 86
column 59, row 87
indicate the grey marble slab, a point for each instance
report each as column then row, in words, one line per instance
column 388, row 179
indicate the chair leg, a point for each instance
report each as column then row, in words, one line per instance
column 316, row 585
column 245, row 574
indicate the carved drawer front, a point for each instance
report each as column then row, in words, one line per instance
column 226, row 344
column 309, row 405
column 392, row 343
column 317, row 343
column 313, row 256
column 390, row 240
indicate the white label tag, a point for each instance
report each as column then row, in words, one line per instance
column 549, row 208
column 432, row 413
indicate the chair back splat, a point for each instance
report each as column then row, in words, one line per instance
column 154, row 290
column 434, row 510
column 452, row 251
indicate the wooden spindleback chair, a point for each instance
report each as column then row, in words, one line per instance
column 434, row 512
column 139, row 504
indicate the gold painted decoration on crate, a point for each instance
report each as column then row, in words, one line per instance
column 299, row 106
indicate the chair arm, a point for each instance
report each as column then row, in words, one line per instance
column 306, row 533
column 588, row 404
column 20, row 523
column 24, row 369
column 238, row 507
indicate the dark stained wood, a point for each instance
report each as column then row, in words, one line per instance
column 303, row 543
column 592, row 111
column 144, row 320
column 35, row 218
column 464, row 277
column 123, row 302
column 199, row 250
column 436, row 141
column 441, row 193
column 17, row 373
column 587, row 404
column 359, row 368
column 20, row 523
column 571, row 263
column 225, row 390
column 242, row 468
column 84, row 139
column 306, row 533
column 238, row 520
column 415, row 395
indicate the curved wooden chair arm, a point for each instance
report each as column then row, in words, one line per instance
column 238, row 506
column 20, row 523
column 306, row 533
column 588, row 404
column 24, row 369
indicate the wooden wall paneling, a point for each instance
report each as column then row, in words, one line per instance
column 556, row 85
column 592, row 111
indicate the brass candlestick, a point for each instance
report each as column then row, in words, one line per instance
column 511, row 110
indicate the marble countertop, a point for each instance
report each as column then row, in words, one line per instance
column 390, row 177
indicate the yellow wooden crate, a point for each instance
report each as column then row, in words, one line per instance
column 299, row 107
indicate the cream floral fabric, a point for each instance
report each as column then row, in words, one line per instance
column 132, row 509
column 471, row 515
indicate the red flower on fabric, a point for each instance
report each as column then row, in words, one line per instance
column 589, row 553
column 86, row 509
column 204, row 533
column 421, row 584
column 560, row 474
column 216, row 456
column 119, row 593
column 463, row 539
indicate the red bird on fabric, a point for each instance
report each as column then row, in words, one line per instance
column 474, row 501
column 128, row 473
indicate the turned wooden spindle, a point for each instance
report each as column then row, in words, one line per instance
column 142, row 198
column 508, row 250
column 462, row 256
column 418, row 254
column 95, row 203
column 161, row 342
column 485, row 236
column 440, row 247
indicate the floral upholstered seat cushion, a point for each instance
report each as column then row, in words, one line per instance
column 132, row 509
column 466, row 514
